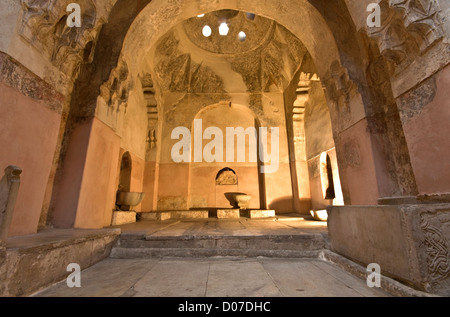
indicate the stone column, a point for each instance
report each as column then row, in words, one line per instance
column 9, row 188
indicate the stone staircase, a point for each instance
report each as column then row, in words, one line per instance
column 139, row 245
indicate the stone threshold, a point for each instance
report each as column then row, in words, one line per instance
column 33, row 262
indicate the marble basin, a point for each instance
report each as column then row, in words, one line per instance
column 128, row 200
column 242, row 200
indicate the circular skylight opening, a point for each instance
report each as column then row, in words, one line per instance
column 242, row 36
column 224, row 29
column 207, row 31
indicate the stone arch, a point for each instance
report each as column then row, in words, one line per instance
column 332, row 41
column 120, row 50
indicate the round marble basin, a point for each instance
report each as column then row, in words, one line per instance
column 242, row 200
column 129, row 198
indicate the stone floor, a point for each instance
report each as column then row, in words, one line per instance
column 280, row 225
column 214, row 277
column 218, row 276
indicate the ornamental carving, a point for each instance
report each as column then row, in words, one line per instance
column 408, row 28
column 116, row 90
column 437, row 248
column 44, row 25
column 340, row 89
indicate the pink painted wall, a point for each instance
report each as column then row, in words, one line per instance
column 150, row 188
column 278, row 190
column 205, row 193
column 428, row 138
column 173, row 189
column 356, row 165
column 97, row 194
column 86, row 193
column 28, row 136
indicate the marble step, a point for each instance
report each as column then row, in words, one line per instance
column 148, row 253
column 142, row 246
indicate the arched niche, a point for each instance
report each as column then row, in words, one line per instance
column 226, row 177
column 204, row 175
column 326, row 177
column 125, row 173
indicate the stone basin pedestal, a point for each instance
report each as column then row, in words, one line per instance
column 126, row 201
column 241, row 200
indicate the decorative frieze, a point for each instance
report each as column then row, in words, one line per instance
column 16, row 76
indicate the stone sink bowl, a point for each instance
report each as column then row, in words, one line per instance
column 242, row 200
column 129, row 198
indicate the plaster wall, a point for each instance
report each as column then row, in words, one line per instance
column 425, row 114
column 150, row 186
column 86, row 194
column 96, row 201
column 37, row 128
column 135, row 124
column 357, row 168
column 31, row 113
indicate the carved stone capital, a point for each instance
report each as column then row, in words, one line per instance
column 408, row 29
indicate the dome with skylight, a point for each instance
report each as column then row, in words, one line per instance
column 228, row 31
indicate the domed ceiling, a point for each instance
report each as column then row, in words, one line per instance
column 241, row 31
column 226, row 51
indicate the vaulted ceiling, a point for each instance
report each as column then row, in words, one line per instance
column 226, row 51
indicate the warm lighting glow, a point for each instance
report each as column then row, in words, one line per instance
column 320, row 215
column 200, row 15
column 224, row 29
column 207, row 31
